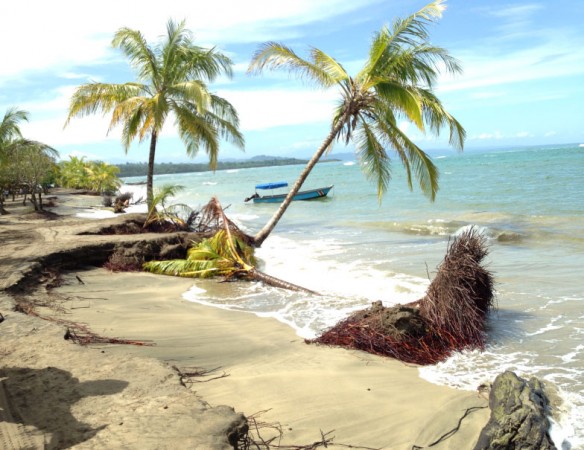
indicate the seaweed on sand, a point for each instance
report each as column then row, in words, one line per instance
column 450, row 317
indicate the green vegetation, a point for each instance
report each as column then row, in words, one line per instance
column 395, row 83
column 141, row 169
column 159, row 212
column 26, row 166
column 172, row 79
column 95, row 176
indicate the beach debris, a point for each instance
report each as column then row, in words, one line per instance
column 453, row 431
column 190, row 375
column 80, row 334
column 256, row 437
column 450, row 317
column 75, row 332
column 226, row 252
column 121, row 202
column 519, row 415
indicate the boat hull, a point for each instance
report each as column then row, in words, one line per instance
column 311, row 194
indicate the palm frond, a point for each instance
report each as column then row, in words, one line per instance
column 412, row 156
column 9, row 129
column 401, row 98
column 373, row 158
column 93, row 97
column 273, row 56
column 196, row 132
column 437, row 117
column 405, row 33
column 331, row 66
column 183, row 268
column 191, row 92
column 136, row 48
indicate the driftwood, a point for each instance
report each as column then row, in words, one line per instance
column 253, row 439
column 450, row 317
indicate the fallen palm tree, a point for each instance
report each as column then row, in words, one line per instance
column 450, row 317
column 226, row 253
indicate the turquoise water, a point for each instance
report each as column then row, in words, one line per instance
column 528, row 201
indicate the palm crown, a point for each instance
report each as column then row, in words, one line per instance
column 171, row 78
column 395, row 83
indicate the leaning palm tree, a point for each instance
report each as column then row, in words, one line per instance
column 395, row 83
column 172, row 79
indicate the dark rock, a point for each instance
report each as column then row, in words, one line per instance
column 519, row 416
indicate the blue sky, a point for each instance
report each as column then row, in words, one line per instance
column 523, row 80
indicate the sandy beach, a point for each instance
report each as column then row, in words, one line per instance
column 58, row 394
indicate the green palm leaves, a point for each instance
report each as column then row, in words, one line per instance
column 221, row 255
column 9, row 127
column 394, row 84
column 96, row 176
column 227, row 253
column 172, row 79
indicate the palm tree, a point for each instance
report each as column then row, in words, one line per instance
column 395, row 83
column 172, row 79
column 103, row 177
column 73, row 173
column 160, row 213
column 9, row 129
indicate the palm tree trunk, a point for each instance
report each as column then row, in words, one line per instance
column 267, row 229
column 256, row 275
column 150, row 174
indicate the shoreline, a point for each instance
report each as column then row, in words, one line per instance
column 368, row 401
column 262, row 365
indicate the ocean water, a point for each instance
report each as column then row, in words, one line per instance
column 352, row 249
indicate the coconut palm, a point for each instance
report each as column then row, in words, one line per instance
column 160, row 212
column 9, row 127
column 103, row 177
column 395, row 83
column 73, row 173
column 172, row 79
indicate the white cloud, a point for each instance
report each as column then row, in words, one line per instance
column 41, row 35
column 550, row 133
column 494, row 68
column 261, row 109
column 524, row 134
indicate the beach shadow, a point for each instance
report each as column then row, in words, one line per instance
column 43, row 398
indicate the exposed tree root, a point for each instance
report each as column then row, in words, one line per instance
column 189, row 375
column 450, row 317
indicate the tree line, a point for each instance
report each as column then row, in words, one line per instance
column 141, row 169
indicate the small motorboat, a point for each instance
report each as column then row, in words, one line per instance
column 279, row 198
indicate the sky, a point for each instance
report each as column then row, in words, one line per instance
column 522, row 85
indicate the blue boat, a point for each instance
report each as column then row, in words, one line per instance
column 279, row 198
